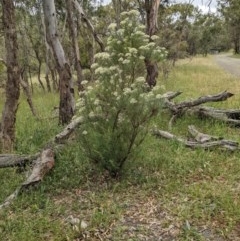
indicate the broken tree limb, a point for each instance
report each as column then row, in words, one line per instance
column 15, row 160
column 226, row 144
column 182, row 106
column 231, row 117
column 205, row 138
column 12, row 160
column 42, row 166
column 204, row 99
column 201, row 137
column 43, row 162
column 9, row 199
column 178, row 109
column 68, row 130
column 171, row 95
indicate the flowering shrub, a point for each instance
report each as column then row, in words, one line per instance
column 119, row 99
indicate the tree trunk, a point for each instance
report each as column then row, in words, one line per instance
column 66, row 106
column 73, row 37
column 151, row 7
column 89, row 24
column 7, row 135
column 25, row 85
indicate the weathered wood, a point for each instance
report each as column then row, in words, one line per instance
column 223, row 143
column 231, row 116
column 201, row 137
column 68, row 130
column 42, row 166
column 183, row 106
column 9, row 199
column 171, row 95
column 42, row 162
column 193, row 106
column 13, row 160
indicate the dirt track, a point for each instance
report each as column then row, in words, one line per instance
column 228, row 63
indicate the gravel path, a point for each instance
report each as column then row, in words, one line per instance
column 228, row 63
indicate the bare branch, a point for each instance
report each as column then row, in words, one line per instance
column 226, row 144
column 89, row 24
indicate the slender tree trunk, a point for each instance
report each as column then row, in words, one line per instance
column 117, row 8
column 151, row 7
column 66, row 106
column 73, row 37
column 89, row 24
column 47, row 55
column 25, row 85
column 39, row 69
column 7, row 134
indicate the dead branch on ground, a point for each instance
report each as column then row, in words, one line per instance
column 200, row 140
column 193, row 106
column 42, row 162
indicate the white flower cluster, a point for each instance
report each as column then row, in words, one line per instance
column 102, row 56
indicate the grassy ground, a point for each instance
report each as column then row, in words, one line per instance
column 168, row 192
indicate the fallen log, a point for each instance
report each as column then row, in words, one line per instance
column 197, row 143
column 15, row 160
column 201, row 137
column 12, row 160
column 42, row 162
column 183, row 106
column 42, row 166
column 231, row 117
column 68, row 130
column 192, row 106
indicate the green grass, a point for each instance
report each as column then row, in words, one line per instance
column 168, row 191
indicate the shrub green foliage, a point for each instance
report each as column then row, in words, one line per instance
column 120, row 99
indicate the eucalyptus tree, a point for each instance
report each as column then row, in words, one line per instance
column 213, row 34
column 7, row 134
column 175, row 34
column 230, row 9
column 74, row 41
column 66, row 105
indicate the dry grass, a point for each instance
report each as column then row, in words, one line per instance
column 202, row 76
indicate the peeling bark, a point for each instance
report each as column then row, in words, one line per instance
column 67, row 104
column 7, row 134
column 151, row 7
